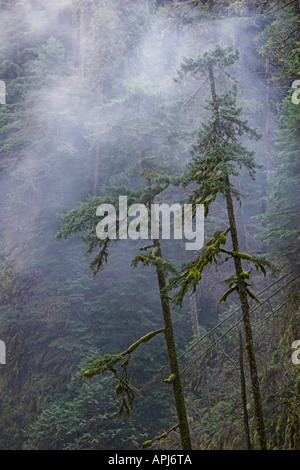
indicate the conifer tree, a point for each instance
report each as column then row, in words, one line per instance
column 217, row 156
column 82, row 219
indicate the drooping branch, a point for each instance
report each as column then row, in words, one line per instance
column 109, row 362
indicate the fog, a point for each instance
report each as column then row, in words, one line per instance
column 77, row 123
column 74, row 131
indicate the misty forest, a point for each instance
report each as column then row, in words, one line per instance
column 110, row 343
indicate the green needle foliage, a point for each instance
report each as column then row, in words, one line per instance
column 218, row 152
column 83, row 217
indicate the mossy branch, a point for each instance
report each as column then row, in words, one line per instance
column 170, row 380
column 191, row 273
column 109, row 362
column 149, row 443
column 233, row 286
column 151, row 259
column 144, row 339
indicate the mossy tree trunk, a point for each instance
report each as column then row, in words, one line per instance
column 171, row 345
column 172, row 354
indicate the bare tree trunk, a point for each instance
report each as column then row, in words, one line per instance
column 194, row 312
column 266, row 159
column 267, row 119
column 239, row 211
column 297, row 13
column 244, row 394
column 97, row 147
column 82, row 66
column 75, row 36
column 96, row 168
column 82, row 38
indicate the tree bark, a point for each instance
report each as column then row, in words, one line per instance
column 194, row 313
column 240, row 218
column 172, row 354
column 297, row 13
column 267, row 119
column 266, row 160
column 82, row 28
column 97, row 146
column 244, row 394
column 96, row 169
